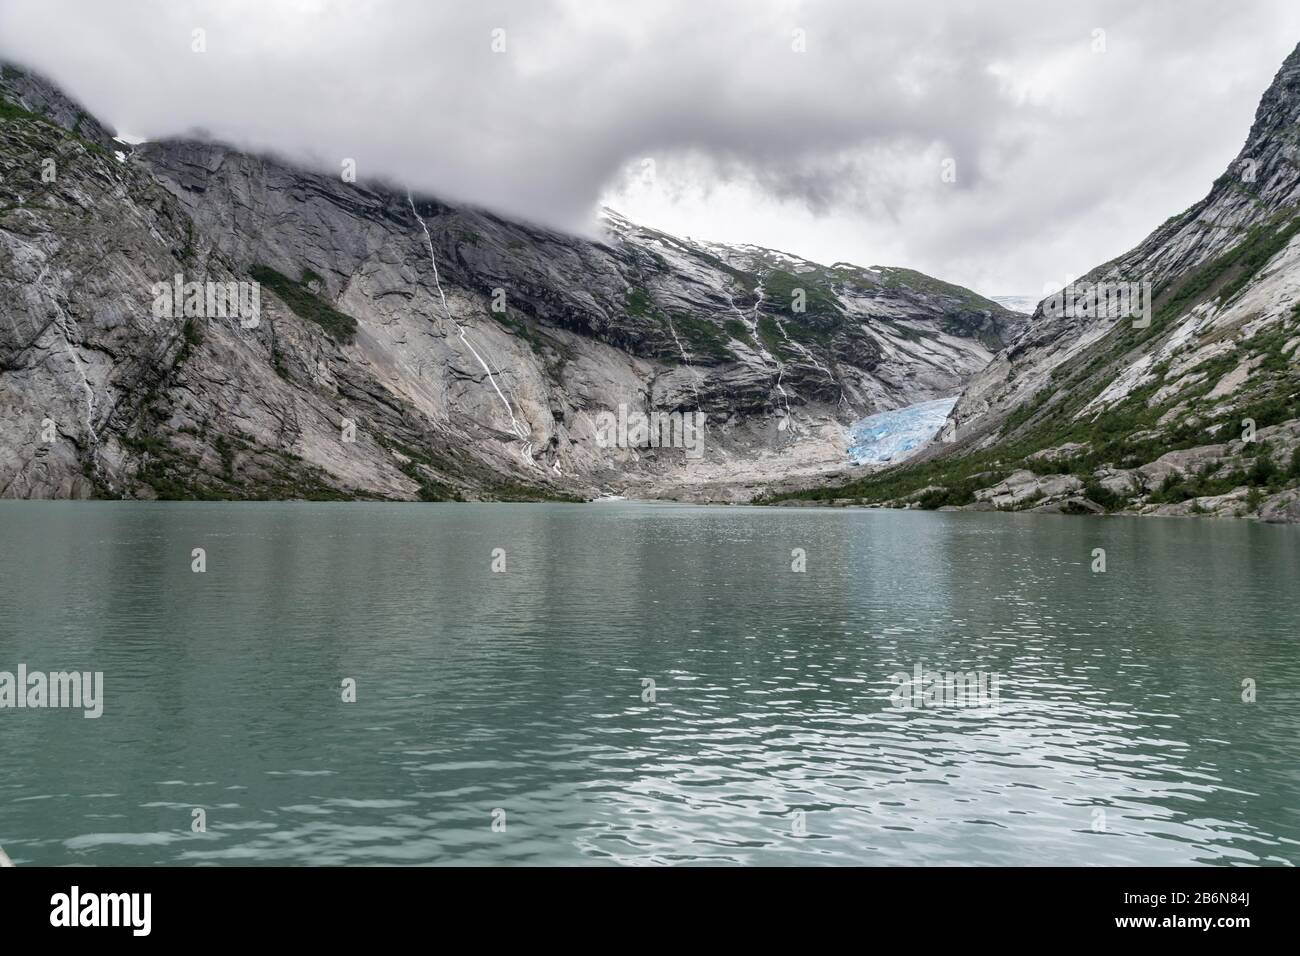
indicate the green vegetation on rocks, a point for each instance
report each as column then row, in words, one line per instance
column 307, row 304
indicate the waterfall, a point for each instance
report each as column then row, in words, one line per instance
column 520, row 429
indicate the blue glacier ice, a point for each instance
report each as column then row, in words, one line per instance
column 892, row 436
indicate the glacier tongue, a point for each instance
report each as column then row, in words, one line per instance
column 892, row 436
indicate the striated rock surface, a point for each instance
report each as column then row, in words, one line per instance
column 1221, row 273
column 36, row 95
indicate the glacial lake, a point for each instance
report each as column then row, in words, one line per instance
column 507, row 716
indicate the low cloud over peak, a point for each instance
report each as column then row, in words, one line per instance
column 1000, row 147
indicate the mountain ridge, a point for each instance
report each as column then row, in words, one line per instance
column 1104, row 410
column 380, row 322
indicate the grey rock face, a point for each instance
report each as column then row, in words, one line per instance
column 1069, row 506
column 1150, row 405
column 1282, row 508
column 1022, row 487
column 406, row 348
column 37, row 95
column 1255, row 198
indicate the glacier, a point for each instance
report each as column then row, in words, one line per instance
column 1024, row 304
column 891, row 436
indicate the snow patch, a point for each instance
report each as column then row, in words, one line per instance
column 1024, row 304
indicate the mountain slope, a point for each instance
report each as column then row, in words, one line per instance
column 379, row 367
column 39, row 97
column 1192, row 412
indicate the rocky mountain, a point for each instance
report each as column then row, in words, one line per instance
column 35, row 95
column 393, row 346
column 1166, row 381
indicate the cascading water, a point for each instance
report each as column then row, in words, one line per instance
column 520, row 429
column 91, row 401
column 750, row 321
column 803, row 350
column 695, row 376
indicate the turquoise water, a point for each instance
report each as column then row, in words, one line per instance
column 1119, row 735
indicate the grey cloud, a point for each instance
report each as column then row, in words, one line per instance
column 851, row 128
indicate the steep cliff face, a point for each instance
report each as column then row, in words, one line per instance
column 1186, row 403
column 1209, row 259
column 406, row 348
column 39, row 97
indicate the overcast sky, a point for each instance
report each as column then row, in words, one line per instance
column 819, row 127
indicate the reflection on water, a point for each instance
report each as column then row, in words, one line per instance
column 1119, row 736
